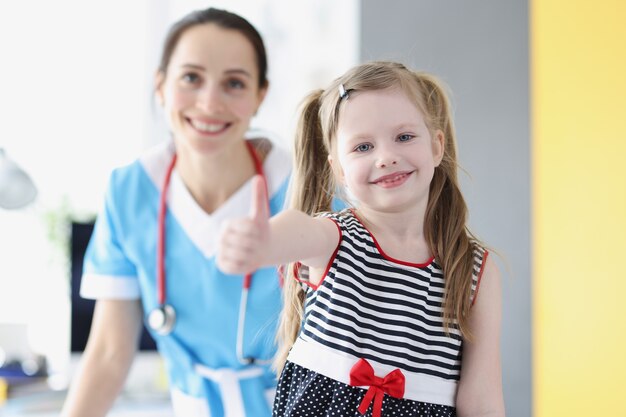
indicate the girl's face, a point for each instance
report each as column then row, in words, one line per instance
column 385, row 154
column 211, row 88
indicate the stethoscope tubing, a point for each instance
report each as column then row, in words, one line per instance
column 161, row 234
column 161, row 276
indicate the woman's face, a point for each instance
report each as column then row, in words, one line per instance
column 211, row 88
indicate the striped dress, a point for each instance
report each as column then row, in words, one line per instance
column 372, row 340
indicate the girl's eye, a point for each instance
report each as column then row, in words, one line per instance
column 364, row 147
column 405, row 137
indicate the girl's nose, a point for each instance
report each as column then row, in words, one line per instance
column 385, row 162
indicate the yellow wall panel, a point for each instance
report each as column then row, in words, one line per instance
column 578, row 96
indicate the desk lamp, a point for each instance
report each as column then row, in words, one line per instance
column 16, row 188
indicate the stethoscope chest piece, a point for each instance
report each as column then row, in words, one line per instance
column 162, row 319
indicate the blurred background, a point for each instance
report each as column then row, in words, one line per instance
column 538, row 90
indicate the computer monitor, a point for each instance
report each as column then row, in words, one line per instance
column 82, row 309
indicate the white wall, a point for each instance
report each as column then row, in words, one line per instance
column 70, row 111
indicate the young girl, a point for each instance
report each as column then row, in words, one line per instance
column 387, row 318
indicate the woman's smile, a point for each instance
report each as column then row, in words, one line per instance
column 208, row 128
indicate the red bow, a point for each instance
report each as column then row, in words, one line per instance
column 362, row 374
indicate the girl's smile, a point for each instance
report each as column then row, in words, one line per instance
column 393, row 180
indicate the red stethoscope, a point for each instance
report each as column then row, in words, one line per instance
column 162, row 319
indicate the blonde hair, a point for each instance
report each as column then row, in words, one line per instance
column 313, row 186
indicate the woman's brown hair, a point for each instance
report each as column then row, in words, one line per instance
column 224, row 20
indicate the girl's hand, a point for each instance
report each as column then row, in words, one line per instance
column 244, row 242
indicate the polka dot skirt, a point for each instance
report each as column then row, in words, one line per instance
column 304, row 393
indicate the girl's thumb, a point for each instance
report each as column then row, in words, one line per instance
column 259, row 207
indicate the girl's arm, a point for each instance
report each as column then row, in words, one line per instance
column 110, row 350
column 480, row 387
column 255, row 241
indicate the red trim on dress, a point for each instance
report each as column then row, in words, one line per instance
column 328, row 266
column 389, row 258
column 480, row 275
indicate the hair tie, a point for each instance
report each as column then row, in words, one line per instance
column 343, row 93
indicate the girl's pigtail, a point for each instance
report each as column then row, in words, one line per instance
column 311, row 191
column 446, row 215
column 313, row 182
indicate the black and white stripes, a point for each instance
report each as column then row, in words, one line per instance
column 386, row 311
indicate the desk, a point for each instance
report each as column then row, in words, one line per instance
column 49, row 405
column 145, row 393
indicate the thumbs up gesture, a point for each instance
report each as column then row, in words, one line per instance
column 243, row 242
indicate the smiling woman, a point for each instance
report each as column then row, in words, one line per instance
column 210, row 87
column 215, row 340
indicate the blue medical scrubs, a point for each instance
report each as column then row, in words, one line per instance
column 120, row 263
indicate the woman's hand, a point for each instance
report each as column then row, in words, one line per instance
column 244, row 242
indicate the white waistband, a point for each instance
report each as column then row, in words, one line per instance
column 325, row 361
column 217, row 374
column 228, row 381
